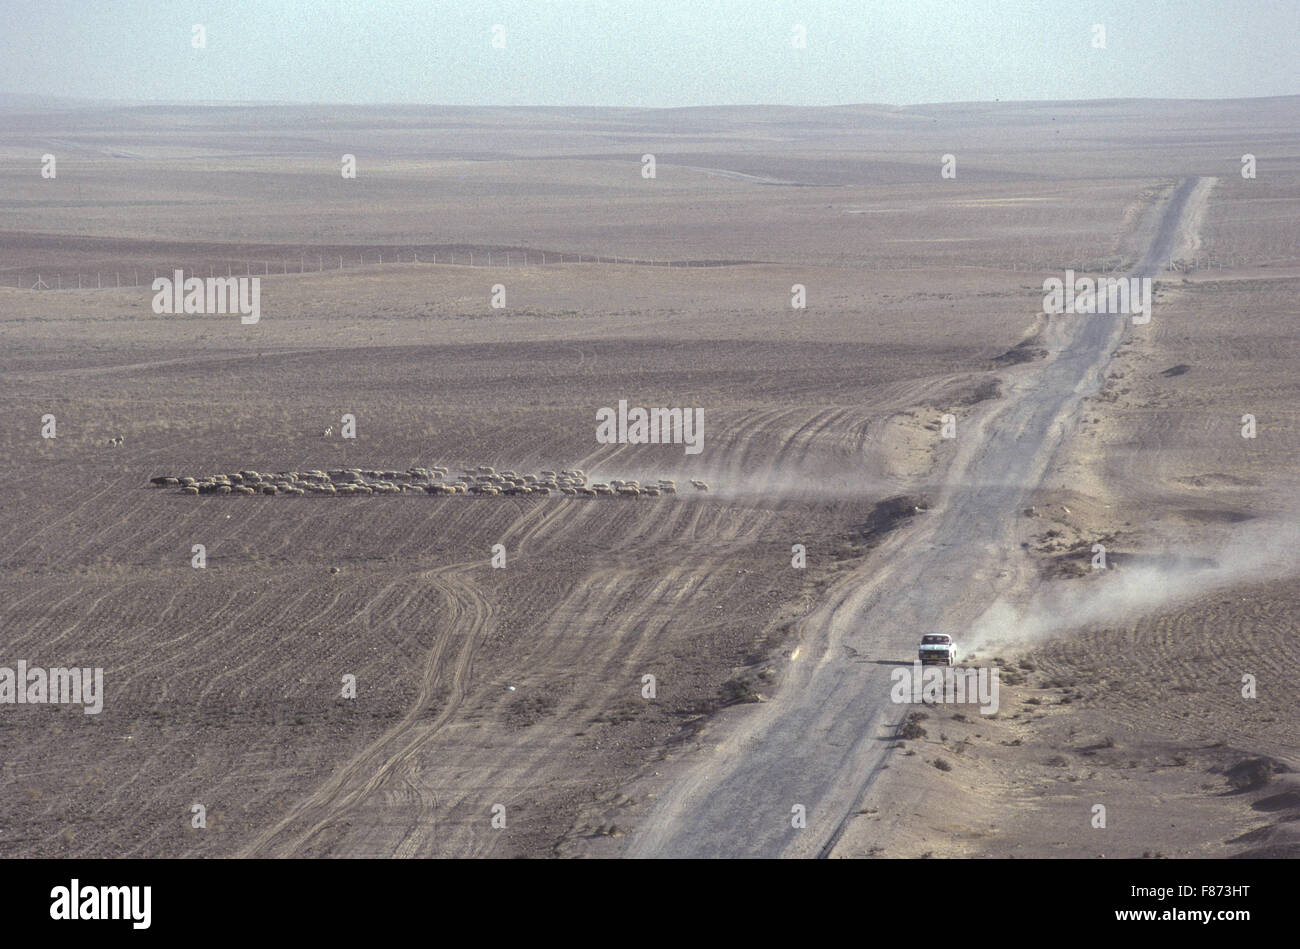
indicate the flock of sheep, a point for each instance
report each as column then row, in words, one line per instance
column 483, row 481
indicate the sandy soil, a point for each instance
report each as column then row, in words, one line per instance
column 222, row 684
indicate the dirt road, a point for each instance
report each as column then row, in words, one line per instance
column 826, row 736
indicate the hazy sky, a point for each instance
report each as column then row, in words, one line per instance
column 648, row 52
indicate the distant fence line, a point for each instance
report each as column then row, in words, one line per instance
column 31, row 279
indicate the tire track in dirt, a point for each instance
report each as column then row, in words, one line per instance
column 423, row 790
column 470, row 615
column 523, row 762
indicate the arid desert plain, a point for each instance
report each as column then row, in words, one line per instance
column 895, row 437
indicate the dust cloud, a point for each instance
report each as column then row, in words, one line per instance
column 1256, row 552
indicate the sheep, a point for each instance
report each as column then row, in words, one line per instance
column 159, row 481
column 223, row 489
column 585, row 492
column 667, row 489
column 269, row 489
column 700, row 485
column 650, row 492
column 568, row 491
column 244, row 489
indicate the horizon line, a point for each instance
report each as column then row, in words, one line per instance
column 77, row 101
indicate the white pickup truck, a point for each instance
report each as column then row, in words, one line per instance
column 937, row 648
